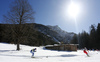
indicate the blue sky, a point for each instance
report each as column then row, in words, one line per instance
column 55, row 12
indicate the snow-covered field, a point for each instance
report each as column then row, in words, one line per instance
column 8, row 53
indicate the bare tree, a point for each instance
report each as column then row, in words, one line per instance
column 20, row 13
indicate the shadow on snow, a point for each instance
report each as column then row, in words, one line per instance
column 12, row 55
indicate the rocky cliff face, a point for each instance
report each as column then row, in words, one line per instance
column 55, row 32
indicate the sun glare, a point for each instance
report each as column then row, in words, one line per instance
column 73, row 9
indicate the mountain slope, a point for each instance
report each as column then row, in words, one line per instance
column 55, row 32
column 42, row 35
column 35, row 38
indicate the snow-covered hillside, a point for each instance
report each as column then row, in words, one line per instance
column 8, row 53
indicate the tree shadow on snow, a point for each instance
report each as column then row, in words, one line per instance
column 68, row 55
column 1, row 51
column 14, row 55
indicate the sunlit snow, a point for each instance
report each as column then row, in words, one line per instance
column 8, row 53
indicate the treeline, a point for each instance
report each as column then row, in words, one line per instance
column 90, row 40
column 28, row 35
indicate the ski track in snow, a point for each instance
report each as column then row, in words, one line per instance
column 8, row 53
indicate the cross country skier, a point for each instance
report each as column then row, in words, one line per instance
column 32, row 51
column 84, row 50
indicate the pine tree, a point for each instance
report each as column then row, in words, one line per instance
column 98, row 35
column 92, row 41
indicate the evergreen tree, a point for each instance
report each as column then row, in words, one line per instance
column 93, row 36
column 98, row 36
column 83, row 39
column 74, row 40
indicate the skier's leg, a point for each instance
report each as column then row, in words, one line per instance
column 32, row 54
column 87, row 55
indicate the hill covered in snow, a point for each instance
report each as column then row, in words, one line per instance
column 8, row 53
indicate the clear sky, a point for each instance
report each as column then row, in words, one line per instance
column 55, row 12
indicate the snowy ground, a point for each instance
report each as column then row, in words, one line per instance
column 8, row 53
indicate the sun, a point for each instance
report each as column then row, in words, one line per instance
column 73, row 9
